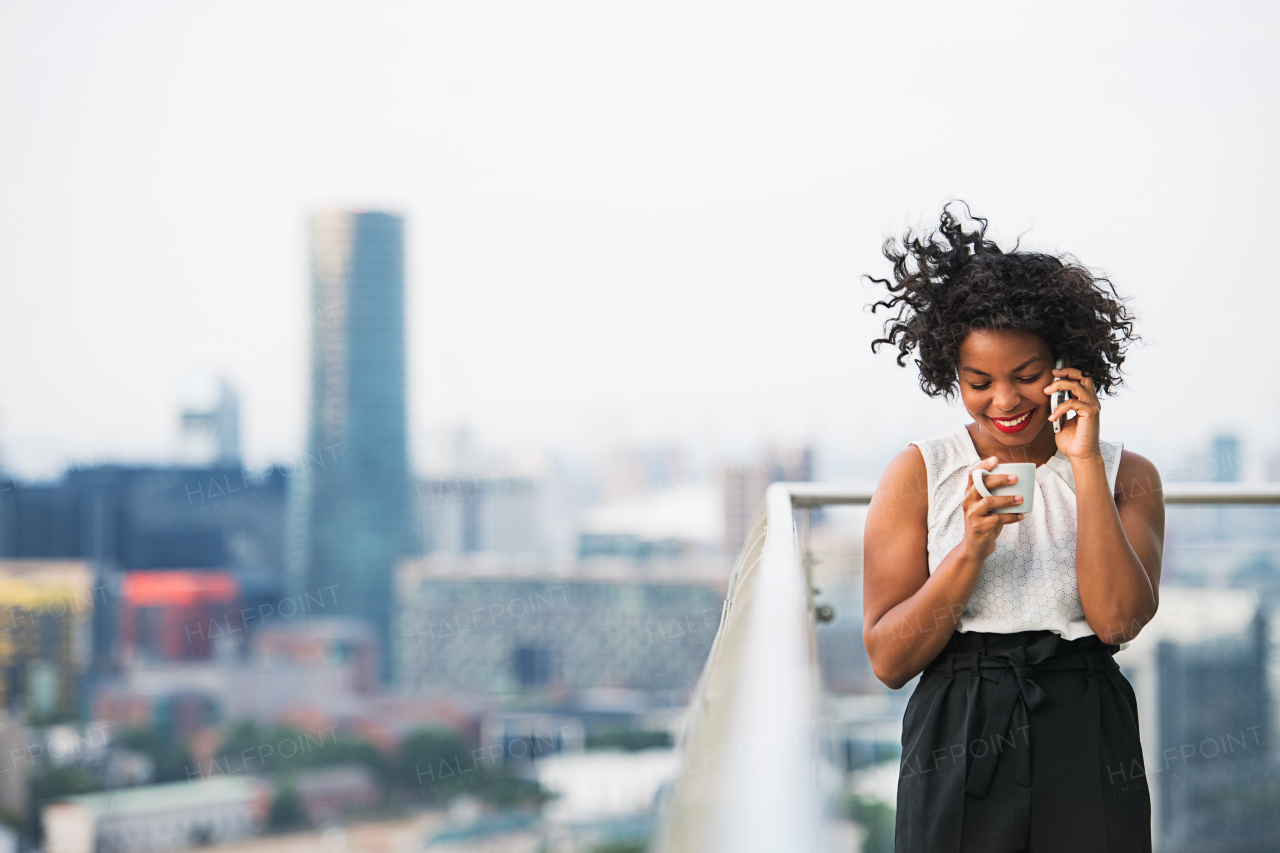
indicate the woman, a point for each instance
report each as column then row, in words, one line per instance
column 1021, row 735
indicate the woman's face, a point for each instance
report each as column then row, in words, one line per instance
column 1003, row 375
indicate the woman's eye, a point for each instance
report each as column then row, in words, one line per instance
column 987, row 384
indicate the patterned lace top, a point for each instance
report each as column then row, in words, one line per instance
column 1029, row 582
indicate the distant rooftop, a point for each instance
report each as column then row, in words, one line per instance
column 689, row 515
column 331, row 627
column 684, row 569
column 169, row 797
column 27, row 582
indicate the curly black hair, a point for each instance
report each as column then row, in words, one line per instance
column 954, row 281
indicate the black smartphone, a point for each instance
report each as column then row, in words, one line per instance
column 1059, row 397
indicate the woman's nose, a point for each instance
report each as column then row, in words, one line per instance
column 1007, row 399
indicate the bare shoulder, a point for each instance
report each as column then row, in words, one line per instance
column 904, row 486
column 1140, row 502
column 1137, row 479
column 895, row 548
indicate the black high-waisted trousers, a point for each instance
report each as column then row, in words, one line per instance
column 1022, row 742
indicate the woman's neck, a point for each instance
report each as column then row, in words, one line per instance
column 1039, row 450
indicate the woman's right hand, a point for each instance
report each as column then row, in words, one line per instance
column 981, row 524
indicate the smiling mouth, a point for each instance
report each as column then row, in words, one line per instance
column 1017, row 423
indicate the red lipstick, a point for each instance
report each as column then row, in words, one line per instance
column 1017, row 427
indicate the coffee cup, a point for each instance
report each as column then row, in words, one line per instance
column 1026, row 474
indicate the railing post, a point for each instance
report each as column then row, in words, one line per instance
column 806, row 548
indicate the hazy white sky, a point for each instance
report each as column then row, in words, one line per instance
column 627, row 223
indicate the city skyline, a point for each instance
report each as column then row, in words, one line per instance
column 456, row 425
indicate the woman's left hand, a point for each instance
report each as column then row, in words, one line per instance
column 1079, row 436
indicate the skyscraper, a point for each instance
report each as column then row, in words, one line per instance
column 353, row 512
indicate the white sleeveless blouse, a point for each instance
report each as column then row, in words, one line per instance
column 1029, row 582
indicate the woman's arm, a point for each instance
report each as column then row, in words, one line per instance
column 1119, row 545
column 909, row 614
column 1120, row 537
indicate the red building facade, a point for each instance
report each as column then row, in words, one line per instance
column 167, row 615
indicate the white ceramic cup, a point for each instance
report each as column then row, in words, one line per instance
column 1026, row 474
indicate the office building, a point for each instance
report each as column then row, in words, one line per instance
column 156, row 818
column 15, row 767
column 296, row 659
column 173, row 615
column 150, row 517
column 46, row 614
column 460, row 515
column 1217, row 749
column 662, row 525
column 744, row 484
column 1206, row 690
column 353, row 518
column 492, row 626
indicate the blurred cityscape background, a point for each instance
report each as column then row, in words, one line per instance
column 406, row 521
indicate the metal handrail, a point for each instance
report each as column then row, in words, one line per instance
column 748, row 778
column 812, row 495
column 748, row 773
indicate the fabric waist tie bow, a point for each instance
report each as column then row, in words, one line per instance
column 1013, row 670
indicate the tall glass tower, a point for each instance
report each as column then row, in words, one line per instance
column 354, row 507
